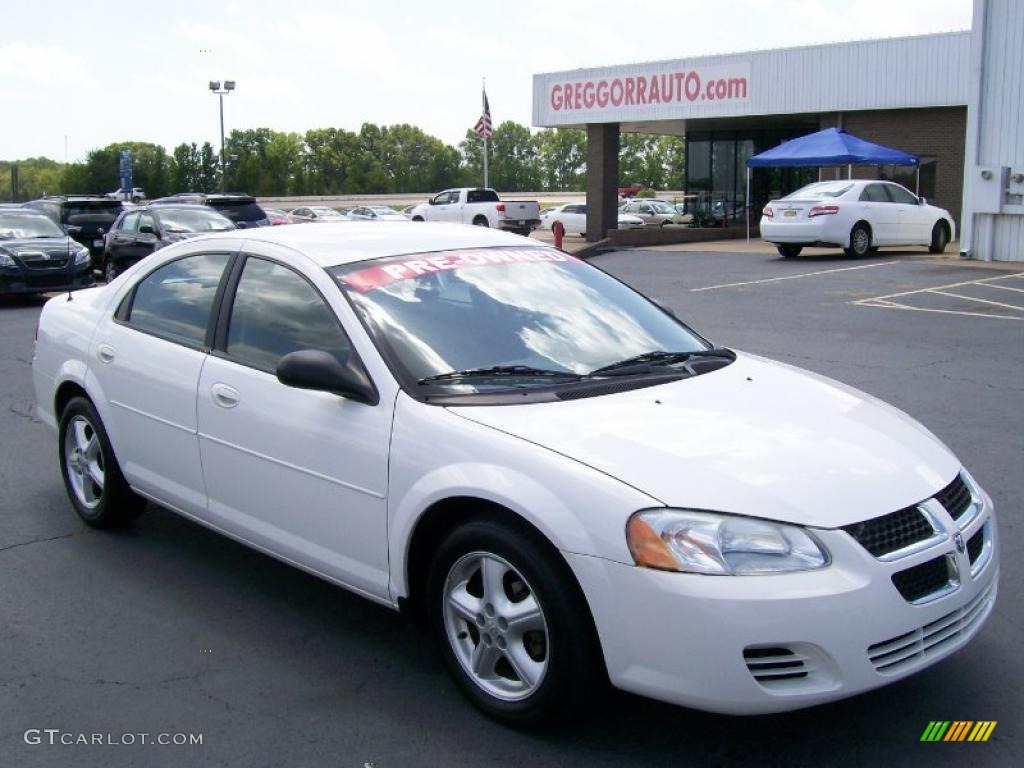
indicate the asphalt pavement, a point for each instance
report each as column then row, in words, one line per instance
column 167, row 628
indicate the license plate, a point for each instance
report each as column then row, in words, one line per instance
column 522, row 222
column 789, row 214
column 97, row 243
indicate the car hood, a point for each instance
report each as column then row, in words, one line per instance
column 57, row 246
column 756, row 438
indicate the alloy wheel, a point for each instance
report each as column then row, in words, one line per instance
column 496, row 626
column 84, row 460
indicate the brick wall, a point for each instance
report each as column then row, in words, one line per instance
column 936, row 131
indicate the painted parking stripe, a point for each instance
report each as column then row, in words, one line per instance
column 985, row 280
column 792, row 277
column 975, row 298
column 1001, row 287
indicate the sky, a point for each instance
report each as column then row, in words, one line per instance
column 96, row 73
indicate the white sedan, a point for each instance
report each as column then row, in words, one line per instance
column 375, row 213
column 574, row 218
column 857, row 215
column 555, row 475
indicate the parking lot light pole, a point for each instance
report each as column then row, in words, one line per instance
column 229, row 86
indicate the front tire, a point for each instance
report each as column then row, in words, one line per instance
column 788, row 251
column 110, row 270
column 512, row 624
column 93, row 480
column 940, row 238
column 860, row 241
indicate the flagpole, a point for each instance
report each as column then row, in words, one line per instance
column 485, row 135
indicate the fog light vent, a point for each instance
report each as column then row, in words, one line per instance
column 776, row 664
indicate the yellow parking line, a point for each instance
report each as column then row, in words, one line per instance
column 972, row 298
column 791, row 277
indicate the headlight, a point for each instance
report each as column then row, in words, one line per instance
column 705, row 542
column 81, row 256
column 5, row 259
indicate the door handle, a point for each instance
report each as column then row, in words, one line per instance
column 105, row 353
column 224, row 396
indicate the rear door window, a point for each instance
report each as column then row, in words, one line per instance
column 175, row 301
column 874, row 193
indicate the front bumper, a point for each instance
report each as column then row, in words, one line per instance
column 698, row 640
column 21, row 280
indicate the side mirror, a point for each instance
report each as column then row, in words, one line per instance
column 322, row 371
column 147, row 229
column 922, row 201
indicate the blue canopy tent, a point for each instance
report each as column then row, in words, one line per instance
column 830, row 147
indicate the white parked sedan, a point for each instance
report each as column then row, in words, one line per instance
column 574, row 218
column 375, row 213
column 556, row 476
column 857, row 215
column 318, row 213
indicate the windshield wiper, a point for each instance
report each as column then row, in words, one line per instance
column 658, row 357
column 499, row 371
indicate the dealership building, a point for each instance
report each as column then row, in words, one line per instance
column 953, row 99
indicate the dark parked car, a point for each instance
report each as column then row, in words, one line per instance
column 87, row 218
column 243, row 210
column 38, row 256
column 139, row 232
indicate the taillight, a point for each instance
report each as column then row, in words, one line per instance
column 768, row 212
column 822, row 210
column 500, row 207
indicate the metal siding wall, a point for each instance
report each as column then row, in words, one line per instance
column 923, row 71
column 1001, row 137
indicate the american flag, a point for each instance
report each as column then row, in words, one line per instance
column 483, row 127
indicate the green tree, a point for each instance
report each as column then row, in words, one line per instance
column 563, row 158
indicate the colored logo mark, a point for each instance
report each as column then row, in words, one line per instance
column 959, row 730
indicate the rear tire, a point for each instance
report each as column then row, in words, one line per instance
column 512, row 624
column 940, row 237
column 481, row 221
column 788, row 251
column 110, row 270
column 92, row 478
column 860, row 241
column 417, row 218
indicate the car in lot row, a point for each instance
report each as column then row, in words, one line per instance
column 37, row 256
column 857, row 215
column 559, row 479
column 480, row 207
column 243, row 210
column 139, row 232
column 317, row 213
column 654, row 213
column 375, row 213
column 573, row 217
column 87, row 218
column 277, row 216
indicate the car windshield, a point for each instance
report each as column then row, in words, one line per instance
column 662, row 208
column 194, row 219
column 14, row 226
column 325, row 211
column 821, row 189
column 240, row 210
column 383, row 209
column 531, row 314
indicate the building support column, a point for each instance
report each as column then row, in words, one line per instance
column 602, row 179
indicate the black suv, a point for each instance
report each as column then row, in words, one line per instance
column 87, row 218
column 139, row 232
column 243, row 210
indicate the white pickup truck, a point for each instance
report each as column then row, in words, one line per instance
column 481, row 207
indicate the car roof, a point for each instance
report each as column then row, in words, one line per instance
column 345, row 242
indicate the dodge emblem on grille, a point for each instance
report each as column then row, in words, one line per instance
column 959, row 541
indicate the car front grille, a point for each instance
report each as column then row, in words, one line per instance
column 955, row 498
column 40, row 260
column 906, row 651
column 889, row 533
column 923, row 580
column 775, row 664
